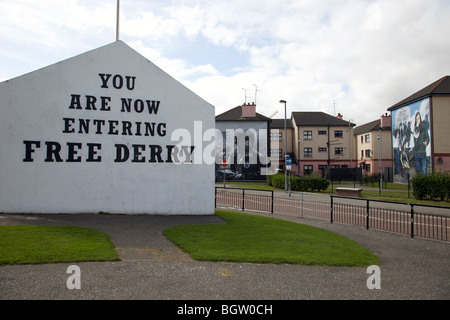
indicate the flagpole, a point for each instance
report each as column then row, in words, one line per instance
column 117, row 24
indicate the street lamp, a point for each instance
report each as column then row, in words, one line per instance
column 285, row 144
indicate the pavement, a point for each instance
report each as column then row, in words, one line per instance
column 152, row 268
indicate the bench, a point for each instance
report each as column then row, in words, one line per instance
column 350, row 192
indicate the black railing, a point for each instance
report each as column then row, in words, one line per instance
column 425, row 221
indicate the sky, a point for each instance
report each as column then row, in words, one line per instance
column 353, row 57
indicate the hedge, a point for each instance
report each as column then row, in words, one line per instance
column 433, row 187
column 309, row 183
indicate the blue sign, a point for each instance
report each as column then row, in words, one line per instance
column 288, row 161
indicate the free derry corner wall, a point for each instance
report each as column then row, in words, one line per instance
column 105, row 131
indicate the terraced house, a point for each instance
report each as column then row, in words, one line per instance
column 373, row 147
column 316, row 141
column 420, row 131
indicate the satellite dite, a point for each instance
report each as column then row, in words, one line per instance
column 107, row 131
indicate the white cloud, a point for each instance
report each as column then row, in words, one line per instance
column 363, row 55
column 177, row 68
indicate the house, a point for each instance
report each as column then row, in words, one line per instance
column 106, row 130
column 245, row 144
column 321, row 141
column 373, row 147
column 281, row 144
column 421, row 131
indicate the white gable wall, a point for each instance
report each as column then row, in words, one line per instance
column 39, row 112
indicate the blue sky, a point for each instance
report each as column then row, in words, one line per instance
column 355, row 57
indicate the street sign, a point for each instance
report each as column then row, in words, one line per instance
column 288, row 167
column 224, row 163
column 288, row 161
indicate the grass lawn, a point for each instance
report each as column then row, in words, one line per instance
column 394, row 192
column 258, row 185
column 51, row 244
column 256, row 239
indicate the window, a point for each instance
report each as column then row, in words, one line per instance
column 307, row 152
column 322, row 132
column 368, row 167
column 362, row 154
column 322, row 168
column 322, row 149
column 307, row 135
column 338, row 150
column 367, row 153
column 338, row 133
column 276, row 136
column 307, row 170
column 362, row 139
column 276, row 153
column 367, row 138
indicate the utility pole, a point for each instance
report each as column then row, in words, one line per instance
column 117, row 20
column 285, row 144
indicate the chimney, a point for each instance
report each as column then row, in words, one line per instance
column 385, row 121
column 249, row 110
column 339, row 116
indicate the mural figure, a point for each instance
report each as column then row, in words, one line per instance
column 421, row 141
column 411, row 140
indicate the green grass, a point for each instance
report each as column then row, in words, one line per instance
column 258, row 185
column 51, row 244
column 393, row 192
column 256, row 239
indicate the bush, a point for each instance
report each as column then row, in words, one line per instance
column 366, row 180
column 277, row 180
column 419, row 186
column 435, row 186
column 310, row 183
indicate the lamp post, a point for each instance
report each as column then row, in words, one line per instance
column 299, row 167
column 285, row 144
column 380, row 160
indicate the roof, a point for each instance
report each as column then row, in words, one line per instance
column 317, row 118
column 373, row 125
column 279, row 124
column 439, row 87
column 235, row 114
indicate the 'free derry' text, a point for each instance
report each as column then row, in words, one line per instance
column 118, row 123
column 235, row 309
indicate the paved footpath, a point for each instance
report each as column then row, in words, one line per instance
column 151, row 267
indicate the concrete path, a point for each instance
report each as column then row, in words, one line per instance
column 153, row 268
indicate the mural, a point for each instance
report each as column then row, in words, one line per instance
column 244, row 147
column 411, row 140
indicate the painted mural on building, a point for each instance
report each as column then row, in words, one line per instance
column 245, row 150
column 411, row 140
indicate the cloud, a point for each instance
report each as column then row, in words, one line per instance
column 177, row 68
column 356, row 57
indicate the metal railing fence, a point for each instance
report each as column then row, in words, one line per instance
column 416, row 220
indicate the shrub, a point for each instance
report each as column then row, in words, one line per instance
column 310, row 183
column 277, row 180
column 269, row 179
column 419, row 186
column 435, row 186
